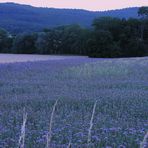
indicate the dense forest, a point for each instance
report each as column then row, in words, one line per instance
column 109, row 37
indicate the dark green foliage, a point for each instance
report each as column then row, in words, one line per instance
column 70, row 39
column 5, row 41
column 143, row 11
column 73, row 39
column 109, row 38
column 115, row 37
column 24, row 43
column 114, row 25
column 103, row 45
column 135, row 48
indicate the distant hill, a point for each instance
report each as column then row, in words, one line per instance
column 21, row 18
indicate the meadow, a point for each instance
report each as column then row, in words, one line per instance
column 120, row 87
column 15, row 58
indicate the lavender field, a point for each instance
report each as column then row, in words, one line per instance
column 120, row 87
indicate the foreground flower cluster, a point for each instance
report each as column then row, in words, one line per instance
column 119, row 86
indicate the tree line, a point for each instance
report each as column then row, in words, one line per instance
column 108, row 37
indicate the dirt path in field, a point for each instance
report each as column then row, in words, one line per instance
column 13, row 58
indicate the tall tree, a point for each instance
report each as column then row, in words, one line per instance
column 143, row 13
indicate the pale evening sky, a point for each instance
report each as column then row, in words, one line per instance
column 83, row 4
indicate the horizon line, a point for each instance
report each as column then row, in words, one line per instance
column 70, row 8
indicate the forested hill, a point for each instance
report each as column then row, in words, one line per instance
column 21, row 18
